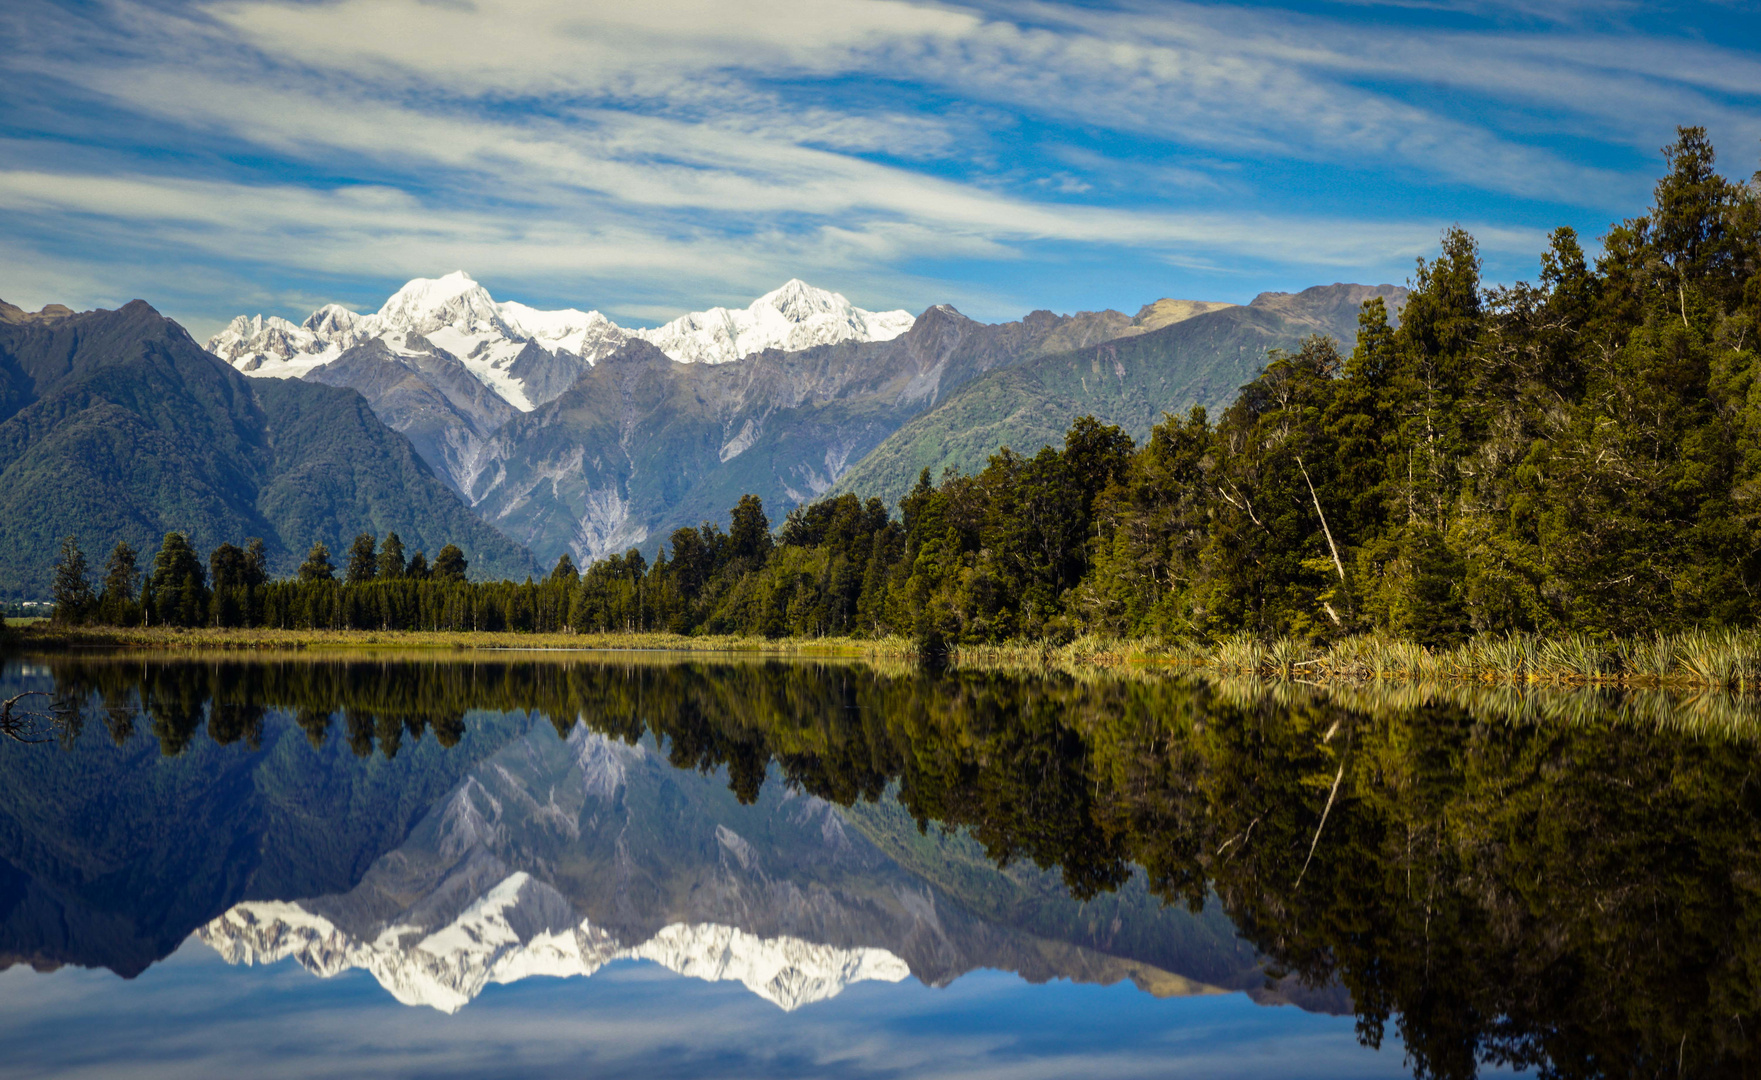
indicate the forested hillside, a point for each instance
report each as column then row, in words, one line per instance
column 115, row 425
column 1200, row 358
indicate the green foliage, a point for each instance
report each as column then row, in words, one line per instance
column 119, row 603
column 391, row 557
column 1128, row 381
column 450, row 564
column 363, row 564
column 317, row 565
column 178, row 585
column 72, row 588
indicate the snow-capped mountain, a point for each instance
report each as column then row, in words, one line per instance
column 794, row 317
column 508, row 935
column 516, row 350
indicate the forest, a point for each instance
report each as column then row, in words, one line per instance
column 1579, row 454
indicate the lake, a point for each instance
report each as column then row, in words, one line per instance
column 625, row 864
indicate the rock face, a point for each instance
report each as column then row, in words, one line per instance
column 642, row 445
column 558, row 857
column 408, row 358
column 429, row 395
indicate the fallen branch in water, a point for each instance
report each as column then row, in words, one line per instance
column 21, row 725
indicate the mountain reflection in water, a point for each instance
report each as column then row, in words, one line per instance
column 1555, row 880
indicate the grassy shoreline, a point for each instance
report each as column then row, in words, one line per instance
column 1725, row 660
column 48, row 637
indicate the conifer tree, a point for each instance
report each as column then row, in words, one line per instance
column 749, row 531
column 391, row 557
column 317, row 566
column 449, row 564
column 72, row 587
column 180, row 590
column 118, row 604
column 226, row 567
column 363, row 563
column 255, row 572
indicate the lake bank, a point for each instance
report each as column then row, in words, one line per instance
column 1715, row 659
column 49, row 637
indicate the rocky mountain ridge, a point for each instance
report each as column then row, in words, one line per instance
column 527, row 355
column 641, row 445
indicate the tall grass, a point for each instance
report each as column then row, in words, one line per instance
column 49, row 637
column 1708, row 659
column 1695, row 711
column 1715, row 659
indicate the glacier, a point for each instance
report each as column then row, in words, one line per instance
column 456, row 315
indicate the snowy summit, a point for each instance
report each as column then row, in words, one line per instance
column 796, row 316
column 456, row 316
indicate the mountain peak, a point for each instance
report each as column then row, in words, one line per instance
column 426, row 304
column 792, row 317
column 51, row 313
column 456, row 314
column 331, row 320
column 798, row 301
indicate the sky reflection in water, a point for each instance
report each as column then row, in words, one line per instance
column 194, row 1016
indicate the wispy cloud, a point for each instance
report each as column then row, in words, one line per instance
column 928, row 150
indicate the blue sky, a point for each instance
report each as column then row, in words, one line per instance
column 232, row 156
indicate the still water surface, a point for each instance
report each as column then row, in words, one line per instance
column 635, row 865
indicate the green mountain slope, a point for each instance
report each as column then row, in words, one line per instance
column 1129, row 381
column 116, row 425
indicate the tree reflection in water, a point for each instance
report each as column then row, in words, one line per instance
column 1559, row 881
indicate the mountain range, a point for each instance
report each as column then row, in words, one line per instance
column 456, row 314
column 573, row 435
column 523, row 434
